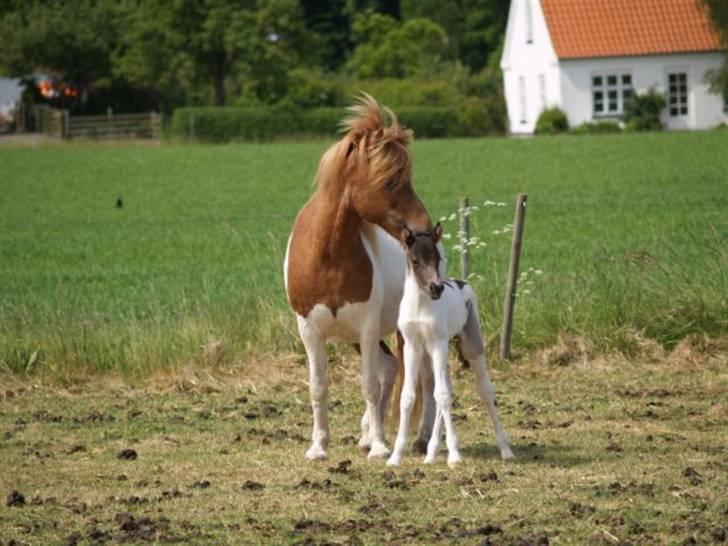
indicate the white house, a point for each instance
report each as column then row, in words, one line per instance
column 588, row 56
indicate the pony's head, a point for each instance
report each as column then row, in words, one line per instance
column 423, row 259
column 371, row 167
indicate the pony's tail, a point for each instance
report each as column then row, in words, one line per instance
column 398, row 381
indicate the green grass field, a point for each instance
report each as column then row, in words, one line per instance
column 629, row 231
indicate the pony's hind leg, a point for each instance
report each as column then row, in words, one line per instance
column 386, row 374
column 412, row 363
column 388, row 365
column 318, row 388
column 371, row 390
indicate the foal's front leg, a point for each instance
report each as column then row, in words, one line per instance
column 413, row 357
column 318, row 384
column 443, row 400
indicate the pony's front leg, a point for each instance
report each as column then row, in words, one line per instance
column 318, row 384
column 371, row 391
column 443, row 400
column 413, row 357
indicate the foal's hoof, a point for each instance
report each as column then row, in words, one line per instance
column 394, row 460
column 454, row 460
column 378, row 451
column 316, row 453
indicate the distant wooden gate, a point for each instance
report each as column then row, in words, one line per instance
column 60, row 124
column 114, row 126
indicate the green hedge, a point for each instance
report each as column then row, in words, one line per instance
column 552, row 121
column 208, row 124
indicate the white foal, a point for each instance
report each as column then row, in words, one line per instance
column 431, row 313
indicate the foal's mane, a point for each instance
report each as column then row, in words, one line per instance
column 374, row 140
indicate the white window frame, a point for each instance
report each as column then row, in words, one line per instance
column 603, row 84
column 529, row 22
column 680, row 106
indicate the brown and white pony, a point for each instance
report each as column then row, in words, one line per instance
column 344, row 267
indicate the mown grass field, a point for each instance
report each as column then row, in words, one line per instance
column 629, row 231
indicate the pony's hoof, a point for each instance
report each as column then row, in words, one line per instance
column 507, row 454
column 365, row 444
column 429, row 459
column 378, row 451
column 316, row 453
column 420, row 446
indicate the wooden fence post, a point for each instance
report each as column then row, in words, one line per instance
column 511, row 289
column 192, row 126
column 65, row 131
column 464, row 235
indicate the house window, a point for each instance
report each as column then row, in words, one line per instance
column 610, row 93
column 522, row 98
column 677, row 94
column 529, row 22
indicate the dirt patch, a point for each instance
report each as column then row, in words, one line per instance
column 127, row 454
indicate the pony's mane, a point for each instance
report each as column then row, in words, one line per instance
column 374, row 138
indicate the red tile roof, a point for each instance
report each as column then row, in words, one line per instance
column 615, row 28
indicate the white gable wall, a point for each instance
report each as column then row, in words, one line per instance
column 705, row 110
column 530, row 67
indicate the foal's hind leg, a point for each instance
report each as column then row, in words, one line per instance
column 471, row 346
column 318, row 388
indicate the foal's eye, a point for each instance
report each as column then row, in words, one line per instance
column 390, row 184
column 415, row 262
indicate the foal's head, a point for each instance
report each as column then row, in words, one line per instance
column 371, row 167
column 423, row 259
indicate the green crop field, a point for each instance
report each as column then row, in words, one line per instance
column 629, row 232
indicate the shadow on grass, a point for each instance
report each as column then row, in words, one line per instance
column 531, row 453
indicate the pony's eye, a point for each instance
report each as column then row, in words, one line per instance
column 415, row 262
column 390, row 184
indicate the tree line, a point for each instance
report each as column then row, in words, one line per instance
column 141, row 53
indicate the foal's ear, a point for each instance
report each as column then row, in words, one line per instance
column 437, row 232
column 407, row 237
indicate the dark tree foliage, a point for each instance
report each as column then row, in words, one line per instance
column 330, row 23
column 385, row 7
column 475, row 28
